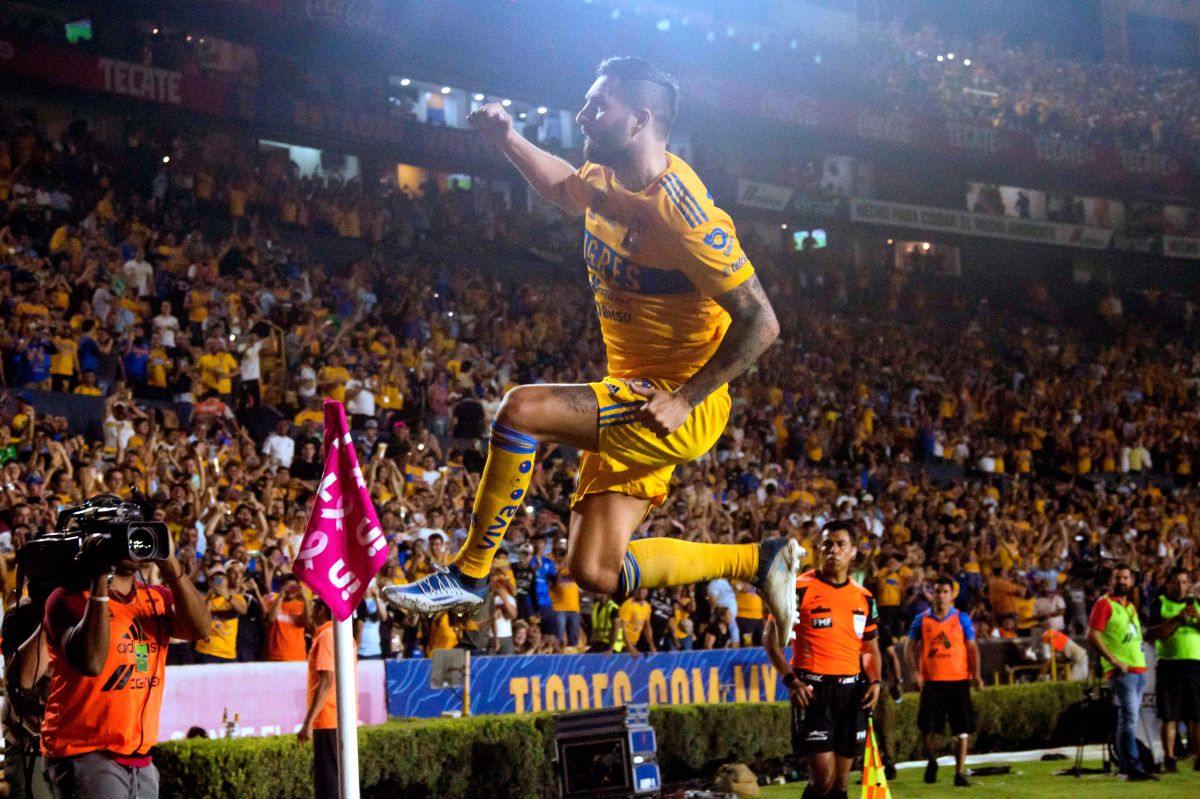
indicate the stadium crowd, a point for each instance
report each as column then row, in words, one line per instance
column 992, row 83
column 177, row 285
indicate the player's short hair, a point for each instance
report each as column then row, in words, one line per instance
column 944, row 579
column 643, row 85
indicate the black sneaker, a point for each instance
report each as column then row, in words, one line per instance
column 961, row 781
column 931, row 772
column 889, row 771
column 1170, row 766
column 1140, row 776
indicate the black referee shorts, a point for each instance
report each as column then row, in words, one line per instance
column 1178, row 690
column 834, row 720
column 946, row 700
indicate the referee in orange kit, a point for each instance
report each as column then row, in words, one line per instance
column 833, row 675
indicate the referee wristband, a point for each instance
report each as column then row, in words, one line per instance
column 790, row 680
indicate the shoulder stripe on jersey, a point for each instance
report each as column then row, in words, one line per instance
column 677, row 199
column 688, row 199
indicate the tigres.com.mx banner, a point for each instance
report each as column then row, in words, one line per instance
column 520, row 684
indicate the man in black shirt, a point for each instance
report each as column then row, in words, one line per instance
column 662, row 608
column 525, row 575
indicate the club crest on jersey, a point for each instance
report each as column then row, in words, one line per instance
column 822, row 623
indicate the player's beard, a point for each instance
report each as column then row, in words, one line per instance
column 1120, row 590
column 605, row 153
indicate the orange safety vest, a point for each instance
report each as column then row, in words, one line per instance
column 118, row 710
column 943, row 647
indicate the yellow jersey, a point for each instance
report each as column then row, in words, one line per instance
column 656, row 259
column 634, row 615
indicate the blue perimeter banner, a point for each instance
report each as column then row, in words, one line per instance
column 525, row 683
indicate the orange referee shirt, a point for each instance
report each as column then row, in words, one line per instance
column 834, row 623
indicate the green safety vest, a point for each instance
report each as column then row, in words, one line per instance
column 1123, row 636
column 1184, row 643
column 603, row 614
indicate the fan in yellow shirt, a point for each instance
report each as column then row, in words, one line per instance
column 216, row 368
column 634, row 616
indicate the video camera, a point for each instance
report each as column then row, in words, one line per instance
column 59, row 557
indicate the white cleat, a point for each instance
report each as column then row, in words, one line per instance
column 779, row 564
column 440, row 592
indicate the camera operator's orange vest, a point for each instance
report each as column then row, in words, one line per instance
column 117, row 711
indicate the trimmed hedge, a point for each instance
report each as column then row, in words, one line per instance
column 1010, row 718
column 512, row 756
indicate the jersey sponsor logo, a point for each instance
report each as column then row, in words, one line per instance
column 734, row 267
column 818, row 735
column 716, row 238
column 609, row 269
column 612, row 314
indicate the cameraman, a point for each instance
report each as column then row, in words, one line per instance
column 108, row 653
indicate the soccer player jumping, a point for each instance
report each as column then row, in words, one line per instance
column 681, row 312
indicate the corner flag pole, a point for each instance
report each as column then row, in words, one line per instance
column 345, row 681
column 342, row 550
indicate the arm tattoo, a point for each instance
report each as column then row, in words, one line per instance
column 752, row 330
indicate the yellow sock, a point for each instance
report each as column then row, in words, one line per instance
column 504, row 483
column 660, row 562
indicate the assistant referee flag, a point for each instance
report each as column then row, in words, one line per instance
column 874, row 783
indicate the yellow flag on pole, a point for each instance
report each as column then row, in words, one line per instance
column 874, row 783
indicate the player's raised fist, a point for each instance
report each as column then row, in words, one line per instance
column 492, row 121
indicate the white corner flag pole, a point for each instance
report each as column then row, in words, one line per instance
column 345, row 683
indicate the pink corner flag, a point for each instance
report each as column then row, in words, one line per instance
column 343, row 546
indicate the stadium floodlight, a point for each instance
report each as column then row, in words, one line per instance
column 445, row 90
column 783, row 226
column 542, row 109
column 405, row 82
column 730, row 31
column 966, row 62
column 166, row 159
column 795, row 45
column 479, row 97
column 941, row 58
column 663, row 24
column 950, row 56
column 506, row 103
column 616, row 13
column 756, row 46
column 712, row 37
column 155, row 31
column 522, row 115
